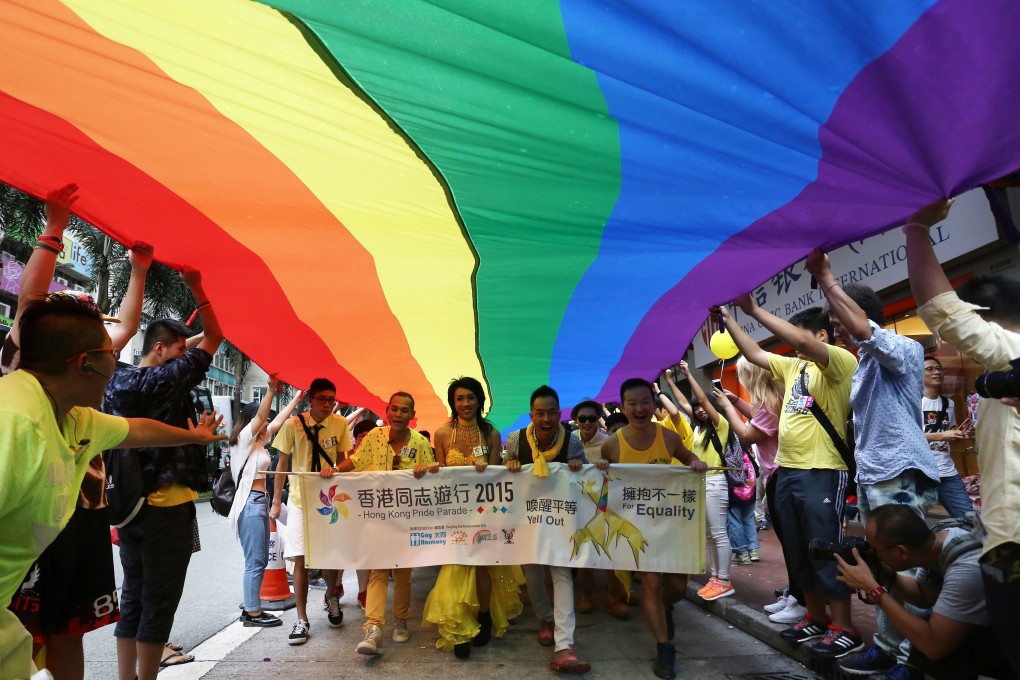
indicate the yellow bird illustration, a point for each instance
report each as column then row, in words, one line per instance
column 605, row 529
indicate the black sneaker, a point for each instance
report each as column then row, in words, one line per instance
column 665, row 661
column 260, row 620
column 334, row 614
column 299, row 633
column 873, row 660
column 836, row 644
column 803, row 631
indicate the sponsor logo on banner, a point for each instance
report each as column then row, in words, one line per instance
column 421, row 538
column 508, row 536
column 484, row 535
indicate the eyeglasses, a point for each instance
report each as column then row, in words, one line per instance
column 933, row 369
column 325, row 400
column 112, row 350
column 581, row 420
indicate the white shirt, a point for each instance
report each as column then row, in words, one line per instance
column 258, row 460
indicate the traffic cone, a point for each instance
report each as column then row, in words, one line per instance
column 275, row 593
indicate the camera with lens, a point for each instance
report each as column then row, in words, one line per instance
column 827, row 550
column 1001, row 383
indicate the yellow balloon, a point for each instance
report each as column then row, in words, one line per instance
column 722, row 345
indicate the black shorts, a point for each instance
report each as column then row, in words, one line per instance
column 155, row 549
column 809, row 505
column 70, row 589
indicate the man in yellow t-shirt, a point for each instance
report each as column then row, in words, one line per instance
column 812, row 478
column 49, row 432
column 318, row 441
column 394, row 447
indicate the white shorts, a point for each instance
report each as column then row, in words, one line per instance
column 294, row 545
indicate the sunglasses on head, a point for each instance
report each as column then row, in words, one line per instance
column 587, row 419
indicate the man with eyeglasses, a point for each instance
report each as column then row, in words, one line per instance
column 319, row 441
column 156, row 545
column 939, row 416
column 49, row 432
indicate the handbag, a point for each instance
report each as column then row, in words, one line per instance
column 224, row 489
column 740, row 481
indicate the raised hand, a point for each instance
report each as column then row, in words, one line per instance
column 58, row 206
column 205, row 429
column 141, row 256
column 931, row 214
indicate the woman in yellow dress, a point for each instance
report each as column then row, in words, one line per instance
column 469, row 605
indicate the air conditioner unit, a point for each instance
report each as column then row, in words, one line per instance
column 5, row 309
column 61, row 280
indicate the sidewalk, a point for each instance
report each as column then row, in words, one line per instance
column 755, row 585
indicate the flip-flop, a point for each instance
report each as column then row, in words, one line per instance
column 176, row 659
column 569, row 664
column 174, row 646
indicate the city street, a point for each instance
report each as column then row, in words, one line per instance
column 206, row 624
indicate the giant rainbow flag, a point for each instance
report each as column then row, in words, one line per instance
column 393, row 193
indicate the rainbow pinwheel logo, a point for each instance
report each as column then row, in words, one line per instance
column 333, row 504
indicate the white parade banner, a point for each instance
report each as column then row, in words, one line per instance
column 634, row 517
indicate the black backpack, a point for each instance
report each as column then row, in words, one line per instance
column 125, row 486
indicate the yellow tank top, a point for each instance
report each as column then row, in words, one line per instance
column 654, row 454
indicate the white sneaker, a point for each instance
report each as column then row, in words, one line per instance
column 779, row 605
column 370, row 645
column 400, row 633
column 792, row 614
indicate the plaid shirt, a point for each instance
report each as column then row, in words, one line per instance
column 163, row 393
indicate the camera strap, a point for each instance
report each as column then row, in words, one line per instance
column 823, row 420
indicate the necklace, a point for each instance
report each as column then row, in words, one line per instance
column 471, row 428
column 552, row 445
column 403, row 438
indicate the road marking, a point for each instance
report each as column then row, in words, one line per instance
column 210, row 652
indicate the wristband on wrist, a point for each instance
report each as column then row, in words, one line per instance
column 46, row 246
column 56, row 241
column 873, row 596
column 922, row 225
column 832, row 286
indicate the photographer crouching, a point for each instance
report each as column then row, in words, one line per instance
column 954, row 642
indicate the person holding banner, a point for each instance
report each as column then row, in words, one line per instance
column 546, row 441
column 470, row 605
column 645, row 442
column 317, row 440
column 394, row 447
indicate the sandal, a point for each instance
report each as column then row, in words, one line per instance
column 567, row 662
column 176, row 659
